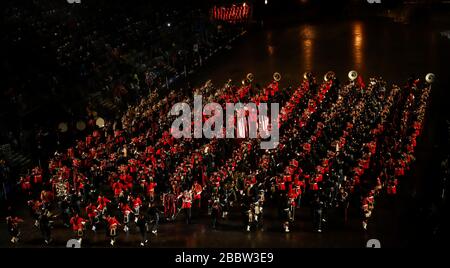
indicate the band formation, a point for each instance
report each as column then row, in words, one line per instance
column 343, row 145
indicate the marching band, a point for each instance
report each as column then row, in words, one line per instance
column 335, row 151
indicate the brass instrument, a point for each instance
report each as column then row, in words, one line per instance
column 352, row 75
column 250, row 77
column 430, row 78
column 277, row 77
column 308, row 76
column 100, row 122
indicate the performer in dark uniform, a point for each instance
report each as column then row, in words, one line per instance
column 13, row 228
column 44, row 226
column 285, row 204
column 65, row 211
column 216, row 211
column 343, row 204
column 153, row 214
column 142, row 225
column 317, row 207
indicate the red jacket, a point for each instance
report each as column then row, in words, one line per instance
column 91, row 211
column 137, row 202
column 102, row 202
column 77, row 223
column 112, row 222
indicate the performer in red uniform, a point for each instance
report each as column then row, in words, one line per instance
column 25, row 184
column 126, row 211
column 92, row 213
column 78, row 224
column 197, row 190
column 102, row 203
column 281, row 184
column 113, row 224
column 151, row 190
column 137, row 203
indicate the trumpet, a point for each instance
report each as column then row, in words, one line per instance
column 277, row 77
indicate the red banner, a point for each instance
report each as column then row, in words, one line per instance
column 233, row 14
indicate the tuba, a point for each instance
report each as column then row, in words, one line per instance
column 100, row 122
column 308, row 76
column 352, row 75
column 329, row 76
column 277, row 77
column 430, row 78
column 250, row 77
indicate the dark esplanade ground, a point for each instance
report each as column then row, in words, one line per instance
column 373, row 47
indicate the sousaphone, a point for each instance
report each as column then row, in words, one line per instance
column 352, row 75
column 100, row 122
column 430, row 78
column 277, row 77
column 250, row 77
column 307, row 75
